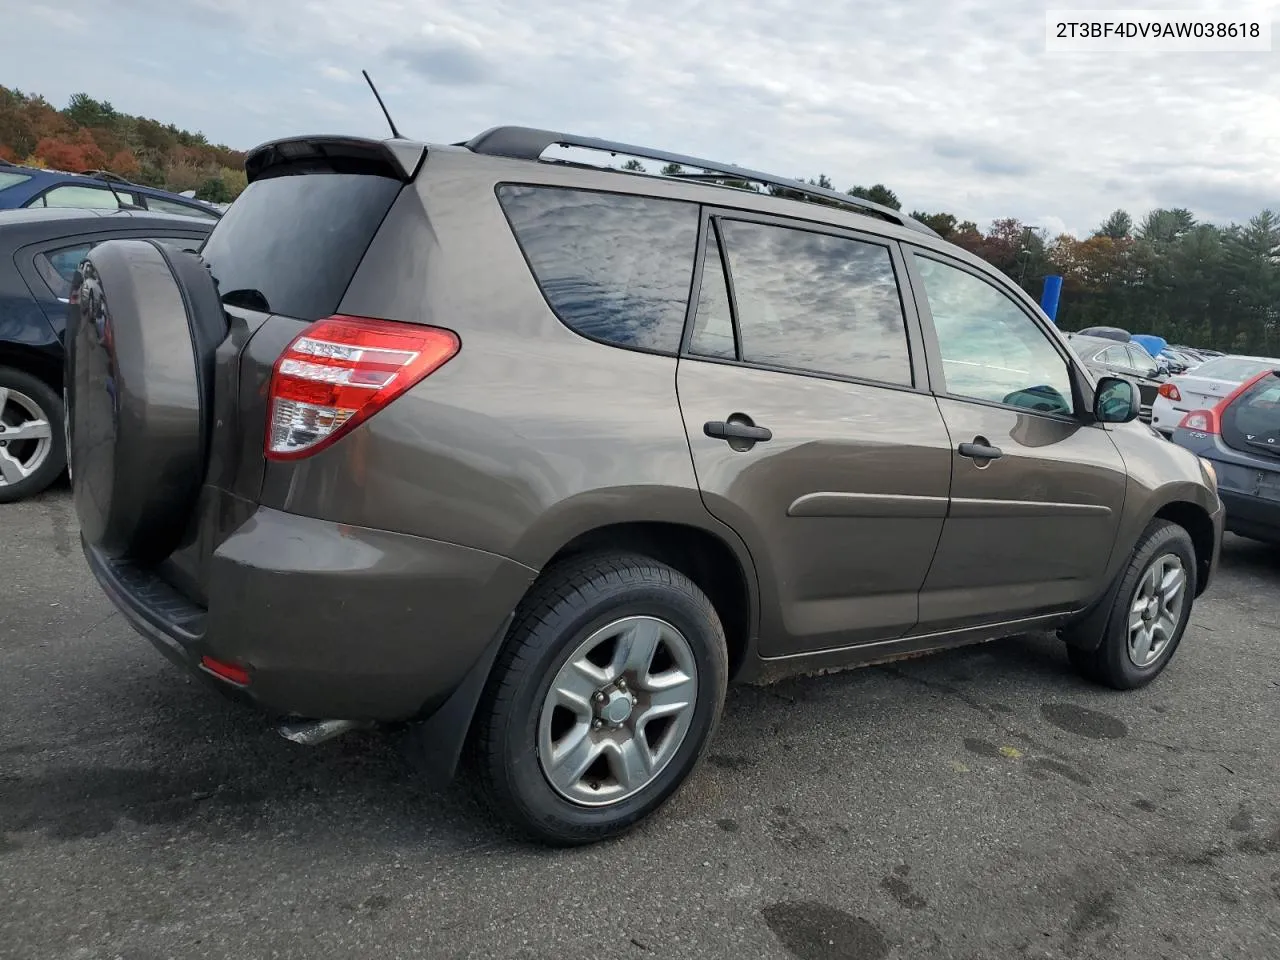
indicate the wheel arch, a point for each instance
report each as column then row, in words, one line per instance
column 1195, row 519
column 721, row 569
column 725, row 574
column 40, row 364
column 1085, row 632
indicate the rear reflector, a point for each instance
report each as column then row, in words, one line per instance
column 1170, row 392
column 227, row 671
column 340, row 371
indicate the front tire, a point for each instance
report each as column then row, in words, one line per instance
column 603, row 700
column 1149, row 615
column 33, row 451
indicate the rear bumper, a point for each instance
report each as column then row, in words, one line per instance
column 1250, row 516
column 329, row 620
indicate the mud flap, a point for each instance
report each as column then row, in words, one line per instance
column 1086, row 633
column 436, row 743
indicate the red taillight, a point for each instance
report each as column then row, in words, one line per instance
column 1210, row 421
column 231, row 672
column 339, row 372
column 1170, row 392
column 1205, row 421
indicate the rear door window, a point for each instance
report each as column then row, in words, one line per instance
column 815, row 303
column 291, row 244
column 1252, row 422
column 93, row 198
column 1140, row 360
column 1115, row 357
column 613, row 267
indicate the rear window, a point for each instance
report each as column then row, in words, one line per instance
column 1235, row 369
column 8, row 180
column 58, row 267
column 1252, row 422
column 291, row 244
column 181, row 209
column 614, row 268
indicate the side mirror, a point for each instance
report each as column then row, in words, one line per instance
column 1116, row 401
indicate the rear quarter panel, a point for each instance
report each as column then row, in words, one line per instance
column 532, row 434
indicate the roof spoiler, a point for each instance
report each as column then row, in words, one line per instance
column 527, row 143
column 398, row 159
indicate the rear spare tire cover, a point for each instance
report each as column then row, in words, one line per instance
column 139, row 397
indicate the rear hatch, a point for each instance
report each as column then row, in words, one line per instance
column 1251, row 422
column 1242, row 438
column 282, row 257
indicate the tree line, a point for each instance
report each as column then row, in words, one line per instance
column 1169, row 274
column 1191, row 282
column 89, row 134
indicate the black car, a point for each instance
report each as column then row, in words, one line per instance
column 39, row 253
column 1108, row 358
column 1240, row 437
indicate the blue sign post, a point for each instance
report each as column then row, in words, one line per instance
column 1049, row 299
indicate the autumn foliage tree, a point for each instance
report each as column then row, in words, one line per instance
column 92, row 135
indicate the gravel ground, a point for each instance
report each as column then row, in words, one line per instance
column 983, row 803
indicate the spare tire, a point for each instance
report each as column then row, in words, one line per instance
column 142, row 326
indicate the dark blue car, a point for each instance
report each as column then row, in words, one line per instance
column 39, row 253
column 31, row 187
column 1240, row 437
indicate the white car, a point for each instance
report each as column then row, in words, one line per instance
column 1203, row 386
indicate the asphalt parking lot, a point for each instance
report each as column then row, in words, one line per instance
column 978, row 804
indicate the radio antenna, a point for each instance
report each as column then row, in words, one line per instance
column 386, row 113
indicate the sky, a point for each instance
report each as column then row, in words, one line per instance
column 954, row 104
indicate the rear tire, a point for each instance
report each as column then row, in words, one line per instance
column 30, row 464
column 637, row 731
column 1148, row 616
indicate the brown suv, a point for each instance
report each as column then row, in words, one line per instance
column 539, row 456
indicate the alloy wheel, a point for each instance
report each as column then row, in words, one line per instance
column 1156, row 609
column 26, row 437
column 617, row 711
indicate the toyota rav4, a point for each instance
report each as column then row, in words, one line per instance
column 538, row 455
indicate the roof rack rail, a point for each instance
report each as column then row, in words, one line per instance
column 528, row 143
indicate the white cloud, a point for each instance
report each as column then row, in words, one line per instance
column 952, row 103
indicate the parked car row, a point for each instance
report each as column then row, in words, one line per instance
column 1106, row 356
column 1202, row 387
